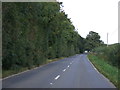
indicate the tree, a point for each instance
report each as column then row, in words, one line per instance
column 35, row 32
column 92, row 40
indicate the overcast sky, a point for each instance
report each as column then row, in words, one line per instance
column 100, row 16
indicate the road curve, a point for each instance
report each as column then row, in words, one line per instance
column 72, row 72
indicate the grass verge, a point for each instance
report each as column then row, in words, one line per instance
column 106, row 69
column 6, row 73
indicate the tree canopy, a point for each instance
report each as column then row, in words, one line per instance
column 93, row 40
column 37, row 31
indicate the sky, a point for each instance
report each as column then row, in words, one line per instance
column 100, row 16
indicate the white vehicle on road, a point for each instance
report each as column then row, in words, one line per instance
column 85, row 52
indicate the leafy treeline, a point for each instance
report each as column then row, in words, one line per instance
column 110, row 54
column 92, row 41
column 106, row 59
column 35, row 32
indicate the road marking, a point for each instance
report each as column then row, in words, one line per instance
column 93, row 66
column 64, row 70
column 57, row 77
column 68, row 66
column 95, row 69
column 99, row 72
column 27, row 70
column 16, row 74
column 51, row 83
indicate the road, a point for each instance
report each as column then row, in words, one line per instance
column 72, row 72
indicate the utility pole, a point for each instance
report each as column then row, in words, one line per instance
column 107, row 39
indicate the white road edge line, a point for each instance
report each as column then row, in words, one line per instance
column 15, row 74
column 93, row 66
column 22, row 72
column 57, row 77
column 96, row 69
column 26, row 71
column 100, row 73
column 64, row 70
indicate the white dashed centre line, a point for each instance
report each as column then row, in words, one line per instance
column 51, row 83
column 57, row 77
column 64, row 70
column 68, row 66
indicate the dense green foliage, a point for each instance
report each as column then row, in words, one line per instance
column 93, row 41
column 106, row 59
column 110, row 71
column 111, row 54
column 35, row 32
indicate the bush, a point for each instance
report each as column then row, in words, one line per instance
column 110, row 54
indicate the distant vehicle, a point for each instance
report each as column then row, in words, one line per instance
column 85, row 52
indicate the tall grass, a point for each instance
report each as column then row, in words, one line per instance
column 111, row 72
column 111, row 54
column 106, row 59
